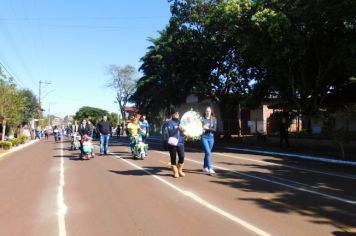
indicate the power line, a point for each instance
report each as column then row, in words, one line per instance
column 82, row 18
column 93, row 26
column 40, row 42
column 11, row 42
column 15, row 78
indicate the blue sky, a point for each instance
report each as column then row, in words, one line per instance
column 70, row 43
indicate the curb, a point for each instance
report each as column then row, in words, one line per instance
column 329, row 160
column 295, row 155
column 15, row 149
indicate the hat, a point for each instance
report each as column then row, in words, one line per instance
column 173, row 110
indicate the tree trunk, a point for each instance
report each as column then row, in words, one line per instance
column 239, row 128
column 123, row 118
column 342, row 149
column 224, row 120
column 306, row 123
column 3, row 129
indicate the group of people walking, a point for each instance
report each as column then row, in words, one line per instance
column 104, row 128
column 174, row 133
column 137, row 130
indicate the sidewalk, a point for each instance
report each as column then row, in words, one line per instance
column 325, row 159
column 15, row 149
column 271, row 151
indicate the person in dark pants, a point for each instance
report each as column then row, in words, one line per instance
column 46, row 134
column 104, row 127
column 83, row 129
column 175, row 145
column 91, row 129
column 118, row 131
column 283, row 132
column 164, row 135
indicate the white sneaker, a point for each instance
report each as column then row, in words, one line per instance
column 211, row 171
column 206, row 170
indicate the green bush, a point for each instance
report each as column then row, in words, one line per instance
column 23, row 139
column 5, row 145
column 15, row 142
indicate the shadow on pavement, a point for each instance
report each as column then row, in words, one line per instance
column 339, row 233
column 319, row 209
column 148, row 171
column 70, row 157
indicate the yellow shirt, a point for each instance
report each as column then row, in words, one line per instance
column 133, row 128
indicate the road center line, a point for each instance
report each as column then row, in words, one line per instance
column 201, row 201
column 62, row 208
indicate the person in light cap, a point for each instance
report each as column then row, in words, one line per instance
column 175, row 143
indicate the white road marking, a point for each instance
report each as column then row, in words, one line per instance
column 62, row 208
column 201, row 201
column 278, row 183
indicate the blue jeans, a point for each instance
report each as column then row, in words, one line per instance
column 208, row 143
column 104, row 143
column 132, row 143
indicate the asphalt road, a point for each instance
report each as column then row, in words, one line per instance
column 47, row 190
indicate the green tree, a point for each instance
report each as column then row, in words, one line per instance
column 114, row 118
column 91, row 113
column 31, row 106
column 196, row 53
column 11, row 106
column 298, row 52
column 306, row 47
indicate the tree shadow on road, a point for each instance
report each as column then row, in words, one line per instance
column 159, row 171
column 340, row 233
column 264, row 179
column 195, row 171
column 122, row 155
column 70, row 157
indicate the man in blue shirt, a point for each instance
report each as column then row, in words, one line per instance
column 144, row 128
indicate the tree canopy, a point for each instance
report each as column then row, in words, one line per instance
column 91, row 113
column 95, row 114
column 300, row 53
column 17, row 107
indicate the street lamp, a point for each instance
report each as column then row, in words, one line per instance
column 48, row 93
